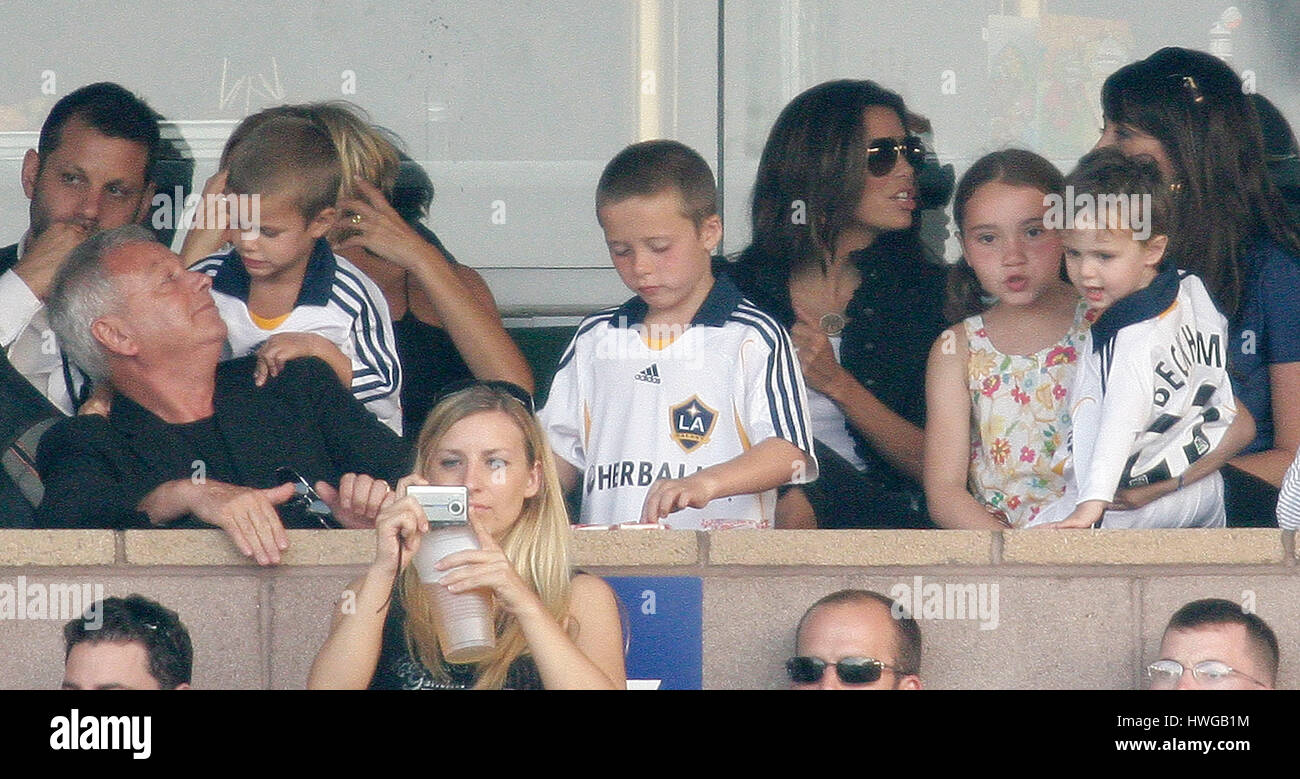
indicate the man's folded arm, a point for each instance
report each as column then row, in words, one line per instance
column 83, row 486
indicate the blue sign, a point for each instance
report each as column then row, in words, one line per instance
column 664, row 616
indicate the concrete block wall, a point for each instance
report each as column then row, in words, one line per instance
column 1074, row 610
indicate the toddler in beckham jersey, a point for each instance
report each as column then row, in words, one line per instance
column 686, row 402
column 1152, row 408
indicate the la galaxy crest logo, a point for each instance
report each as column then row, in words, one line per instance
column 690, row 423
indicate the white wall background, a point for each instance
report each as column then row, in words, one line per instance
column 514, row 107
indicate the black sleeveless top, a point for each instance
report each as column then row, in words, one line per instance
column 398, row 670
column 429, row 358
column 430, row 362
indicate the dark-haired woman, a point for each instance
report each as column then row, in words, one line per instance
column 835, row 257
column 1186, row 110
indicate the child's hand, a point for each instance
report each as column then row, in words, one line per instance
column 201, row 238
column 1086, row 514
column 100, row 401
column 669, row 495
column 1137, row 497
column 282, row 347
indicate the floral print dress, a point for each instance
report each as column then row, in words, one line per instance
column 1020, row 417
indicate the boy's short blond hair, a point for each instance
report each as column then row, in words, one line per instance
column 285, row 155
column 652, row 167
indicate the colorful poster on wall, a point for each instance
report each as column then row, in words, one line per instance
column 1045, row 75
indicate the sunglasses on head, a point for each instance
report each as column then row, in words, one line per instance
column 851, row 670
column 883, row 153
column 513, row 390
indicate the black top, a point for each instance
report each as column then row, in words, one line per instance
column 97, row 470
column 398, row 670
column 430, row 363
column 894, row 317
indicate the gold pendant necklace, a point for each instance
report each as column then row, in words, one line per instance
column 832, row 324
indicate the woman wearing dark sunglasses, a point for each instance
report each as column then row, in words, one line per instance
column 836, row 258
column 554, row 629
column 1187, row 111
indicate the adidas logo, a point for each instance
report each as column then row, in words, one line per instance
column 650, row 374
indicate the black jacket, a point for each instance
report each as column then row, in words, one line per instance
column 21, row 406
column 97, row 470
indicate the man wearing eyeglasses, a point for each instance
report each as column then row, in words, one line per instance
column 850, row 640
column 1212, row 644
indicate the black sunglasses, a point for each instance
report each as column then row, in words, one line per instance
column 305, row 500
column 883, row 153
column 513, row 390
column 851, row 670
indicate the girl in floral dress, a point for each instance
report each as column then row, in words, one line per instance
column 996, row 382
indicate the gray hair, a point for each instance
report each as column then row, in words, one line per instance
column 84, row 292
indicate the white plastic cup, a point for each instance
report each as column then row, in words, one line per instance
column 463, row 619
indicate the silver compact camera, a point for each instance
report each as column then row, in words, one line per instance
column 442, row 505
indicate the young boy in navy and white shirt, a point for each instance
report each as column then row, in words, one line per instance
column 1152, row 407
column 685, row 404
column 281, row 290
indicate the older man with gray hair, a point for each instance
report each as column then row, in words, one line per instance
column 189, row 440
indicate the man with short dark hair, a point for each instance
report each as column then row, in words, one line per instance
column 1213, row 644
column 132, row 643
column 91, row 171
column 189, row 441
column 851, row 640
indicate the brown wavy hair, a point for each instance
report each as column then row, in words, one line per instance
column 815, row 155
column 1193, row 104
column 1016, row 167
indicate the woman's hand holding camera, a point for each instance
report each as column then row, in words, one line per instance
column 398, row 529
column 488, row 568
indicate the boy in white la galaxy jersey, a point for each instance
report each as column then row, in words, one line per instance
column 685, row 403
column 1152, row 407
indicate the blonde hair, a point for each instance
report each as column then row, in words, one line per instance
column 536, row 544
column 364, row 151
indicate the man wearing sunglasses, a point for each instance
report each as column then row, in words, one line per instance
column 849, row 640
column 1212, row 644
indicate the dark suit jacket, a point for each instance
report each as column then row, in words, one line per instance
column 21, row 406
column 97, row 470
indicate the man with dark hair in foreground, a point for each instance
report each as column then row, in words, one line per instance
column 130, row 643
column 92, row 170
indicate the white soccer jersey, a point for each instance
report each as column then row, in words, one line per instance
column 337, row 301
column 1288, row 498
column 626, row 415
column 1148, row 403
